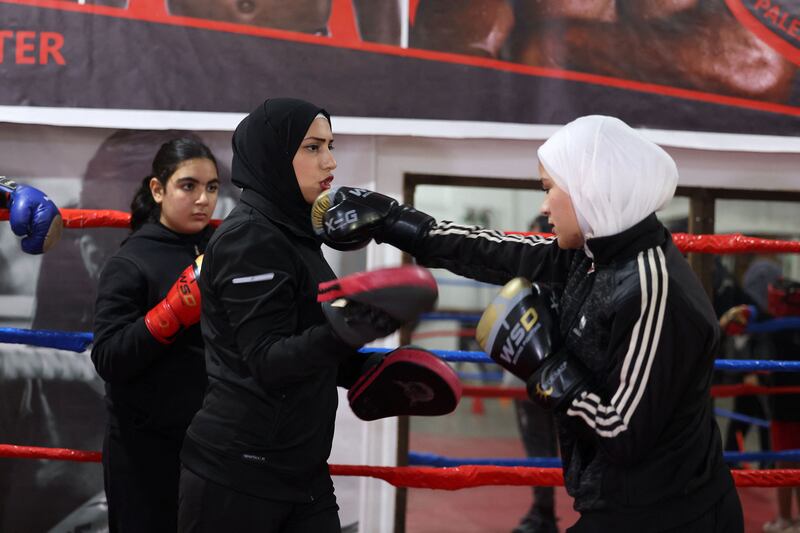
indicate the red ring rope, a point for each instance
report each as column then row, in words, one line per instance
column 427, row 477
column 718, row 244
column 717, row 391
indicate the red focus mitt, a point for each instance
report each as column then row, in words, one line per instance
column 408, row 381
column 369, row 305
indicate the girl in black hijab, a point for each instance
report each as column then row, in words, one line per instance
column 255, row 456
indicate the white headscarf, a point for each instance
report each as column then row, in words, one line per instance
column 614, row 176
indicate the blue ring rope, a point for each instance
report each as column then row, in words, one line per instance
column 78, row 342
column 430, row 459
column 724, row 413
column 766, row 326
column 63, row 340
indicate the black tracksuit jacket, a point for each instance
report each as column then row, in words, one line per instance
column 267, row 421
column 152, row 389
column 641, row 448
column 149, row 386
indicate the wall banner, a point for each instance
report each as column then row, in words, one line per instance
column 696, row 65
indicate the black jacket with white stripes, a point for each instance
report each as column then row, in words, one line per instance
column 641, row 443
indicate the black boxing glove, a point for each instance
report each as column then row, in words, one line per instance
column 519, row 331
column 347, row 218
column 558, row 380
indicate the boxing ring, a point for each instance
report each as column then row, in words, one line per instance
column 431, row 471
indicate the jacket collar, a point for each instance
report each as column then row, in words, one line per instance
column 264, row 206
column 622, row 246
column 159, row 232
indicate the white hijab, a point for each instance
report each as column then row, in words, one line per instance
column 614, row 176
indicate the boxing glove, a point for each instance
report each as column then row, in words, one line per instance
column 33, row 216
column 519, row 331
column 179, row 309
column 558, row 380
column 347, row 218
column 736, row 319
column 519, row 328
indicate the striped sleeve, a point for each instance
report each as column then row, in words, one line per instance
column 492, row 256
column 635, row 402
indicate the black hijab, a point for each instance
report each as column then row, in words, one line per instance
column 264, row 145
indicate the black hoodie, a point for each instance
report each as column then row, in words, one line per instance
column 149, row 386
column 273, row 362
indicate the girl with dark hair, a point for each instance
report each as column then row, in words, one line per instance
column 145, row 206
column 147, row 343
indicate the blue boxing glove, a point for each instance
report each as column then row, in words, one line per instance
column 32, row 215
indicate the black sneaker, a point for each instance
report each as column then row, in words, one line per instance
column 536, row 523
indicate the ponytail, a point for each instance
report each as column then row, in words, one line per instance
column 143, row 207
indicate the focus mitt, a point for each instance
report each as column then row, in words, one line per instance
column 369, row 305
column 408, row 381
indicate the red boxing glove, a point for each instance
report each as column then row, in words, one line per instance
column 736, row 319
column 180, row 309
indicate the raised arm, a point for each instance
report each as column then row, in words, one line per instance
column 348, row 218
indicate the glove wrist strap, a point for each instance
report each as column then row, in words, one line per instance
column 7, row 185
column 558, row 381
column 407, row 228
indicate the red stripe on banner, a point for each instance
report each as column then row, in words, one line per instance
column 148, row 8
column 443, row 57
column 342, row 22
column 412, row 11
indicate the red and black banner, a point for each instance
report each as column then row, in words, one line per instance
column 698, row 65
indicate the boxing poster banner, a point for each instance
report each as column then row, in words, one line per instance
column 690, row 65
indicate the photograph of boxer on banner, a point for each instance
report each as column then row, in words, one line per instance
column 692, row 44
column 375, row 21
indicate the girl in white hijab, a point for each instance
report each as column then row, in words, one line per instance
column 626, row 366
column 613, row 176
